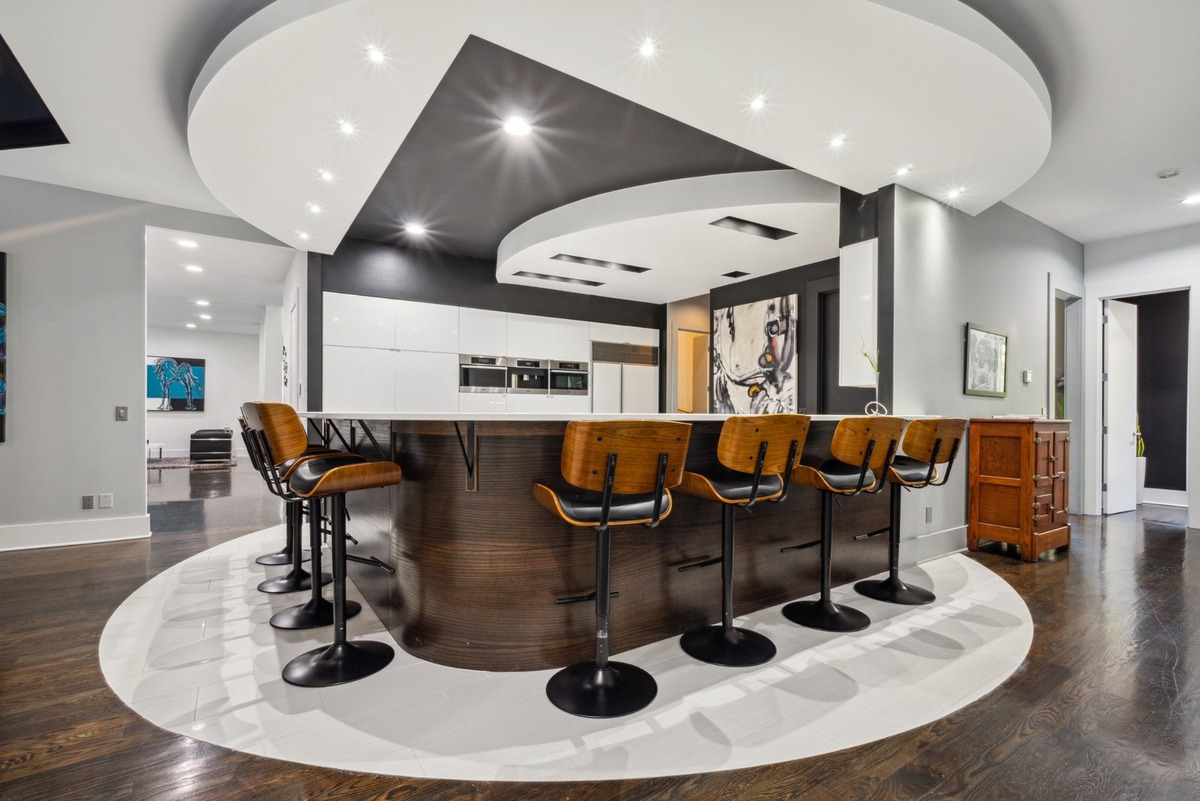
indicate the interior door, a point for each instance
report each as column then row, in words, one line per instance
column 1120, row 407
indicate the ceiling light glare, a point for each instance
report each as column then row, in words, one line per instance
column 314, row 208
column 346, row 127
column 302, row 234
column 375, row 55
column 758, row 103
column 416, row 229
column 648, row 48
column 956, row 193
column 206, row 317
column 193, row 268
column 517, row 126
column 190, row 325
column 903, row 171
column 187, row 243
column 326, row 175
column 837, row 141
column 1191, row 200
column 202, row 303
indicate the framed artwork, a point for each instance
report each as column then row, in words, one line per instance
column 754, row 357
column 986, row 362
column 174, row 384
column 3, row 346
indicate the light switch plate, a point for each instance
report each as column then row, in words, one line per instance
column 122, row 414
column 1027, row 377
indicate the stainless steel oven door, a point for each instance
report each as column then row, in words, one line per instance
column 482, row 374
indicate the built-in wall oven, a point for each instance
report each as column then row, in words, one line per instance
column 568, row 378
column 482, row 373
column 528, row 376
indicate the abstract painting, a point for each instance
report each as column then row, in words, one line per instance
column 754, row 357
column 3, row 346
column 174, row 384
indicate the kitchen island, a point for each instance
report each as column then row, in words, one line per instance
column 479, row 565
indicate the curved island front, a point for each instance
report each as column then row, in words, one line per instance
column 480, row 565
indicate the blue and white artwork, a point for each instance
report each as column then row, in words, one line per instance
column 174, row 384
column 754, row 357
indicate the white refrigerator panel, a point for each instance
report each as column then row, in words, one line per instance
column 358, row 320
column 639, row 389
column 426, row 382
column 482, row 332
column 606, row 388
column 358, row 379
column 426, row 326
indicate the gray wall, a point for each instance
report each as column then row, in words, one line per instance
column 77, row 347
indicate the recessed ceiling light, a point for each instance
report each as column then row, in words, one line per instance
column 903, row 171
column 759, row 102
column 648, row 47
column 375, row 54
column 190, row 325
column 837, row 141
column 346, row 127
column 416, row 229
column 517, row 126
column 1191, row 200
column 187, row 243
column 326, row 175
column 202, row 303
column 193, row 268
column 206, row 317
column 1170, row 172
column 314, row 208
column 302, row 234
column 955, row 193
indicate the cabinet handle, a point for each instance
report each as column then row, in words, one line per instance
column 1036, row 506
column 1037, row 517
column 1037, row 440
column 1059, row 476
column 1037, row 478
column 1054, row 458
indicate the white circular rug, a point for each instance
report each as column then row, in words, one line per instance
column 191, row 651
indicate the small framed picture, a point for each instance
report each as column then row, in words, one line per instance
column 986, row 362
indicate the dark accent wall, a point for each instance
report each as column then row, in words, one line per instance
column 1162, row 386
column 885, row 291
column 857, row 215
column 361, row 267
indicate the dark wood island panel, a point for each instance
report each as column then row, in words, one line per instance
column 478, row 572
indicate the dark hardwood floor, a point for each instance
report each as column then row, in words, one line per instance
column 1107, row 706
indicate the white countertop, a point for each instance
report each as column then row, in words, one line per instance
column 503, row 417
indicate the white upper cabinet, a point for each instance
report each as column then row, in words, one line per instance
column 426, row 326
column 358, row 379
column 570, row 340
column 426, row 382
column 482, row 332
column 359, row 321
column 529, row 336
column 627, row 334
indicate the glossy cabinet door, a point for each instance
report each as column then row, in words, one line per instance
column 482, row 332
column 606, row 388
column 639, row 389
column 426, row 326
column 570, row 340
column 482, row 403
column 530, row 404
column 358, row 379
column 570, row 404
column 529, row 336
column 358, row 321
column 426, row 382
column 628, row 334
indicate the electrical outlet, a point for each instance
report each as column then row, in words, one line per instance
column 106, row 500
column 89, row 501
column 928, row 512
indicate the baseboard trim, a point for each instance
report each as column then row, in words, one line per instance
column 933, row 545
column 26, row 536
column 1163, row 497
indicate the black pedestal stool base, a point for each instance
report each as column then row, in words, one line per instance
column 312, row 615
column 894, row 591
column 338, row 663
column 280, row 558
column 290, row 583
column 731, row 647
column 826, row 616
column 592, row 692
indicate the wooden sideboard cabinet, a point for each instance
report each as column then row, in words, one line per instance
column 1018, row 477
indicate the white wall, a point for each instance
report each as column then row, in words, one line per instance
column 950, row 269
column 295, row 286
column 231, row 377
column 77, row 349
column 1156, row 262
column 270, row 356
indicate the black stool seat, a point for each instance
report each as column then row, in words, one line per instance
column 585, row 508
column 909, row 471
column 836, row 475
column 755, row 455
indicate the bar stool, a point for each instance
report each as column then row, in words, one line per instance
column 756, row 455
column 342, row 661
column 284, row 555
column 927, row 443
column 621, row 473
column 862, row 450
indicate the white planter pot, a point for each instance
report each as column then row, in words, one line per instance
column 1141, row 478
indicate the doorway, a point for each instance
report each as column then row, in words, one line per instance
column 692, row 371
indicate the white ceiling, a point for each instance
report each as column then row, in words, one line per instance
column 1122, row 77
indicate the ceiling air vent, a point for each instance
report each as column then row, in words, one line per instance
column 608, row 265
column 735, row 274
column 558, row 278
column 752, row 228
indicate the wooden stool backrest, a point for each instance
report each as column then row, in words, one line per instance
column 281, row 427
column 921, row 435
column 853, row 434
column 637, row 443
column 742, row 435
